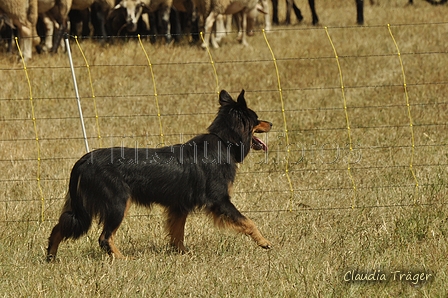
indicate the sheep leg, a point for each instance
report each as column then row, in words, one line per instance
column 244, row 28
column 267, row 16
column 209, row 21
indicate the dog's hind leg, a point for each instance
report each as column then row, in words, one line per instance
column 53, row 242
column 112, row 222
column 175, row 225
column 70, row 225
column 106, row 241
column 225, row 214
column 56, row 235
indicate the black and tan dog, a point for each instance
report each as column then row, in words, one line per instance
column 195, row 175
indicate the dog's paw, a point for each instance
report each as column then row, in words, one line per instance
column 52, row 259
column 265, row 244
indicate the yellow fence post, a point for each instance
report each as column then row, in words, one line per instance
column 285, row 125
column 212, row 63
column 93, row 93
column 344, row 99
column 36, row 135
column 159, row 116
column 405, row 89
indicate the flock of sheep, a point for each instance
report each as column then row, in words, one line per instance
column 122, row 17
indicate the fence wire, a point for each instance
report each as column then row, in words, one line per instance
column 27, row 165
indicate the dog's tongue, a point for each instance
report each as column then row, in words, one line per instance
column 258, row 144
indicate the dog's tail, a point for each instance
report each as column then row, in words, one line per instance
column 75, row 219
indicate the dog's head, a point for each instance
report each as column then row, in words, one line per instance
column 237, row 123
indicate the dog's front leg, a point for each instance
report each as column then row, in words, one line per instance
column 248, row 227
column 225, row 214
column 175, row 226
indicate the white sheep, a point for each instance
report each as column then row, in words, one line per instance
column 54, row 15
column 210, row 9
column 23, row 15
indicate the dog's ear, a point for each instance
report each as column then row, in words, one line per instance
column 225, row 98
column 241, row 101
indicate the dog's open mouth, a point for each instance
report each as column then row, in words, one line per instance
column 258, row 144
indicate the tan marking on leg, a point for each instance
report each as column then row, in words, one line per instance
column 53, row 243
column 245, row 226
column 230, row 188
column 249, row 228
column 56, row 235
column 115, row 253
column 109, row 246
column 176, row 230
column 128, row 206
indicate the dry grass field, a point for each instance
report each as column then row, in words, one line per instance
column 354, row 184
